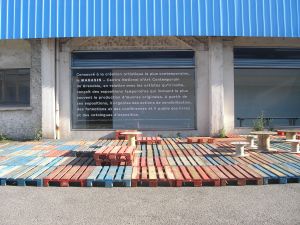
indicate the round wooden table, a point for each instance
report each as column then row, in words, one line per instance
column 291, row 134
column 263, row 139
column 131, row 137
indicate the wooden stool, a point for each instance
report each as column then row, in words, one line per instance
column 240, row 148
column 295, row 145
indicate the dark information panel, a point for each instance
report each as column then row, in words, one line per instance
column 148, row 99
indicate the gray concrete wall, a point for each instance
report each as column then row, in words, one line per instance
column 22, row 122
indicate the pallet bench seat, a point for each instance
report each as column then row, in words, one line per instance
column 114, row 155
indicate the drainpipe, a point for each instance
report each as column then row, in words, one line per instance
column 57, row 130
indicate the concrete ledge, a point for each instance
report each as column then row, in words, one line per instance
column 16, row 108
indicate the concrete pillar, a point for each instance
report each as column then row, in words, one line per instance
column 228, row 74
column 48, row 87
column 201, row 92
column 65, row 93
column 216, row 86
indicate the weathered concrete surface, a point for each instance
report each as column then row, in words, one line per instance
column 270, row 204
column 22, row 123
column 216, row 86
column 48, row 87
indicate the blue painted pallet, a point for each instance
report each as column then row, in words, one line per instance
column 66, row 147
column 24, row 175
column 282, row 158
column 292, row 175
column 293, row 166
column 281, row 146
column 110, row 176
column 269, row 174
column 15, row 161
column 36, row 175
column 11, row 177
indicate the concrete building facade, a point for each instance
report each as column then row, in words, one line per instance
column 49, row 60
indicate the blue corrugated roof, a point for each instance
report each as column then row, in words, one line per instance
column 82, row 18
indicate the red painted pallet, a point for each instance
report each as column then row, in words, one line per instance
column 199, row 140
column 57, row 153
column 236, row 175
column 149, row 140
column 75, row 173
column 114, row 155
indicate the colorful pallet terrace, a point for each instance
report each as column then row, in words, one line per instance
column 174, row 162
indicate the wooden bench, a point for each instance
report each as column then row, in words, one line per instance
column 240, row 148
column 295, row 145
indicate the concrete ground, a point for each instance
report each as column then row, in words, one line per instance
column 270, row 204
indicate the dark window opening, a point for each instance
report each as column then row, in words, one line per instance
column 133, row 90
column 15, row 87
column 267, row 83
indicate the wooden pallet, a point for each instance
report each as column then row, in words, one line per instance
column 201, row 140
column 114, row 155
column 73, row 174
column 152, row 176
column 110, row 176
column 269, row 174
column 174, row 176
column 22, row 175
column 149, row 140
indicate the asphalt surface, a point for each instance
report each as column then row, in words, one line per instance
column 271, row 204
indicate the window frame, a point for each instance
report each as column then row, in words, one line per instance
column 283, row 61
column 72, row 67
column 4, row 73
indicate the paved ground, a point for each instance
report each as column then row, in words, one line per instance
column 271, row 204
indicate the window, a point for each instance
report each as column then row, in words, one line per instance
column 15, row 87
column 133, row 90
column 267, row 82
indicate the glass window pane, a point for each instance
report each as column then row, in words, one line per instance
column 10, row 90
column 15, row 87
column 1, row 91
column 24, row 93
column 133, row 99
column 273, row 92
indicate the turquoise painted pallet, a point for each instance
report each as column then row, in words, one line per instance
column 27, row 174
column 277, row 173
column 110, row 176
